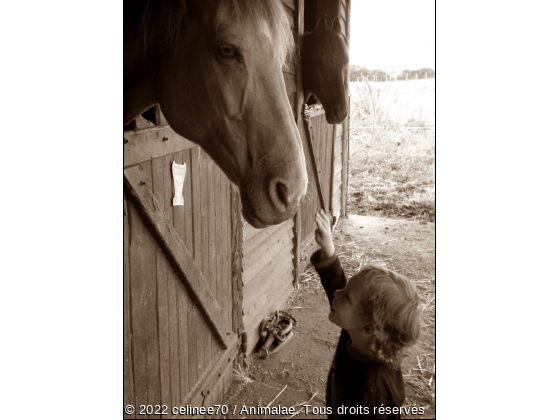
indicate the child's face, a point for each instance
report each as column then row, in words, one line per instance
column 345, row 311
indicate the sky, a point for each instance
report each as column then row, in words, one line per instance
column 392, row 34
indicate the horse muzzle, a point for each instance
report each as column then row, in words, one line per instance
column 337, row 114
column 273, row 203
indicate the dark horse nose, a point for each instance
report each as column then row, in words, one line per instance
column 339, row 113
column 283, row 198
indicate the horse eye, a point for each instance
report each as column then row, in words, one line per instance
column 228, row 52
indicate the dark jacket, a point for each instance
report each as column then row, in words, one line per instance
column 357, row 385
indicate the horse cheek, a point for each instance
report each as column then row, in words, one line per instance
column 235, row 91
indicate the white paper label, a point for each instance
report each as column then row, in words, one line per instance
column 179, row 172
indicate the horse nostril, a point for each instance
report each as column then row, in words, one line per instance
column 336, row 112
column 279, row 195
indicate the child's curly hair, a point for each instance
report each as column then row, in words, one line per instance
column 390, row 309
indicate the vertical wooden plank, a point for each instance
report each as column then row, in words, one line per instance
column 144, row 308
column 218, row 237
column 172, row 284
column 327, row 139
column 299, row 30
column 332, row 170
column 197, row 230
column 153, row 368
column 318, row 148
column 236, row 257
column 204, row 231
column 138, row 241
column 183, row 299
column 204, row 211
column 297, row 247
column 323, row 160
column 345, row 150
column 197, row 233
column 346, row 128
column 188, row 207
column 220, row 393
column 211, row 273
column 225, row 267
column 183, row 305
column 128, row 377
column 190, row 318
column 330, row 164
column 162, row 304
column 226, row 227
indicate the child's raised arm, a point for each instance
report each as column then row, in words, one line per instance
column 323, row 235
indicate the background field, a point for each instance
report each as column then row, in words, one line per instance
column 392, row 149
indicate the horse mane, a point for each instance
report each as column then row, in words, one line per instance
column 325, row 45
column 160, row 21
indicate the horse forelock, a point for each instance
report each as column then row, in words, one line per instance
column 256, row 12
column 159, row 22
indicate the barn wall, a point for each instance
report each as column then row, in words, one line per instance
column 169, row 347
column 267, row 273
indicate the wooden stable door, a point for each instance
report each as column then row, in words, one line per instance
column 180, row 322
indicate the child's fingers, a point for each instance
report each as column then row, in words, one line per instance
column 320, row 215
column 321, row 223
column 326, row 219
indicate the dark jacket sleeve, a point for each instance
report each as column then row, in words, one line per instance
column 331, row 273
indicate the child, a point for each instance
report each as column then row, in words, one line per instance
column 378, row 312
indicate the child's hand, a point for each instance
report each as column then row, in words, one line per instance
column 323, row 235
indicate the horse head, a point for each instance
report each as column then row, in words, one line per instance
column 324, row 60
column 219, row 83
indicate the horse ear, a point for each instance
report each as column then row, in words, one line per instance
column 336, row 25
column 322, row 24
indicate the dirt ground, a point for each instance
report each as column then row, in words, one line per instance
column 300, row 369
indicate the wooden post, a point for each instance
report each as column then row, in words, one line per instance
column 236, row 260
column 345, row 154
column 300, row 16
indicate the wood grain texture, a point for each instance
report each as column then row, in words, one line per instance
column 158, row 184
column 253, row 237
column 128, row 375
column 175, row 250
column 219, row 365
column 256, row 254
column 226, row 244
column 345, row 154
column 172, row 283
column 314, row 160
column 236, row 257
column 267, row 277
column 265, row 298
column 151, row 143
column 255, row 271
column 205, row 252
column 218, row 240
column 143, row 289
